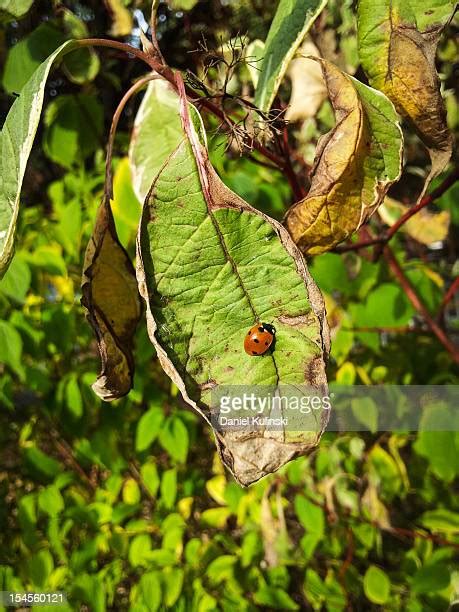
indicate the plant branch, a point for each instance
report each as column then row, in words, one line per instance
column 418, row 304
column 387, row 236
column 65, row 451
column 454, row 288
column 167, row 73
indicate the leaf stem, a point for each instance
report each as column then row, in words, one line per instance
column 167, row 73
column 115, row 120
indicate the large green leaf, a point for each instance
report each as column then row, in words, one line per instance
column 397, row 44
column 25, row 57
column 355, row 164
column 18, row 134
column 209, row 267
column 292, row 20
column 74, row 126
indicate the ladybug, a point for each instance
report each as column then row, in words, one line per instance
column 259, row 338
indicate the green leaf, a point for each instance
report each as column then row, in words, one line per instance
column 173, row 438
column 216, row 517
column 38, row 461
column 172, row 578
column 157, row 133
column 431, row 578
column 442, row 520
column 310, row 516
column 14, row 9
column 150, row 477
column 148, row 428
column 366, row 412
column 73, row 399
column 18, row 134
column 440, row 448
column 397, row 309
column 292, row 20
column 74, row 126
column 221, row 568
column 201, row 250
column 25, row 57
column 125, row 204
column 376, row 585
column 139, row 550
column 355, row 164
column 16, row 282
column 150, row 589
column 169, row 487
column 11, row 348
column 131, row 492
column 83, row 65
column 89, row 589
column 274, row 597
column 50, row 501
column 397, row 45
column 40, row 567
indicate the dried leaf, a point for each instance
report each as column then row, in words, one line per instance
column 111, row 298
column 355, row 165
column 208, row 266
column 424, row 226
column 397, row 45
column 308, row 87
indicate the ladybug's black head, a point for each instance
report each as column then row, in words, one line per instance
column 268, row 327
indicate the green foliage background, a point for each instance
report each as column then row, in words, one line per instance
column 126, row 505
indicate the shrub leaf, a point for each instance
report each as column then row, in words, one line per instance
column 291, row 22
column 355, row 164
column 209, row 266
column 397, row 45
column 112, row 301
column 18, row 134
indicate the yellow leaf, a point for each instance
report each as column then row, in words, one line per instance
column 355, row 164
column 397, row 45
column 216, row 488
column 121, row 18
column 424, row 226
column 111, row 298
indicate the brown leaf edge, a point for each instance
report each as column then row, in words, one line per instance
column 302, row 216
column 114, row 341
column 268, row 454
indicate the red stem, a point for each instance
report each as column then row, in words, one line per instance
column 418, row 304
column 426, row 200
column 448, row 297
column 168, row 74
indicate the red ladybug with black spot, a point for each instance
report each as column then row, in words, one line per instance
column 259, row 339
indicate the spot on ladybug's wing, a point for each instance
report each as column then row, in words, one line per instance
column 256, row 340
column 254, row 353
